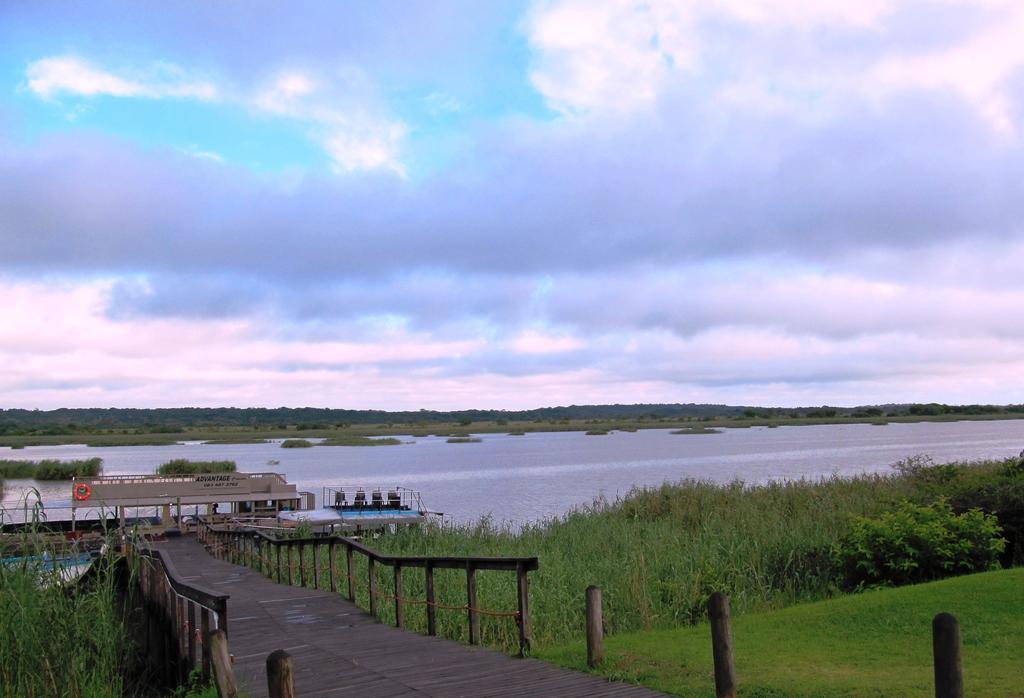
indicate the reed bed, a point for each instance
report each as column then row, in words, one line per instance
column 50, row 469
column 181, row 466
column 356, row 440
column 657, row 554
column 62, row 641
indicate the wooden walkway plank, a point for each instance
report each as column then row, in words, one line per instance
column 339, row 649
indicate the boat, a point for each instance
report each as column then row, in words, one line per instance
column 355, row 508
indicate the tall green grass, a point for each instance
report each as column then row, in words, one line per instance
column 659, row 552
column 50, row 469
column 61, row 641
column 182, row 466
column 356, row 440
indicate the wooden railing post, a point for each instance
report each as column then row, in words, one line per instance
column 302, row 564
column 277, row 554
column 595, row 627
column 398, row 595
column 523, row 597
column 373, row 585
column 316, row 567
column 949, row 680
column 351, row 575
column 431, row 610
column 222, row 617
column 184, row 632
column 223, row 674
column 333, row 566
column 191, row 635
column 474, row 617
column 280, row 668
column 204, row 634
column 290, row 567
column 721, row 645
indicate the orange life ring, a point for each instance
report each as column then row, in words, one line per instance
column 82, row 492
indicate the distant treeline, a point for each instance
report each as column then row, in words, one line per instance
column 181, row 419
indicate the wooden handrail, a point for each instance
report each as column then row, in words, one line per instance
column 247, row 553
column 509, row 564
column 190, row 590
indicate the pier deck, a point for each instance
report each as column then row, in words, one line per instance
column 339, row 649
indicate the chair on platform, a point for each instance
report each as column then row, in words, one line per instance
column 360, row 500
column 339, row 498
column 394, row 501
column 378, row 500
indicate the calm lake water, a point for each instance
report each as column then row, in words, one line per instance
column 526, row 478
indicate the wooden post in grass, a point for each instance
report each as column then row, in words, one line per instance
column 595, row 628
column 223, row 673
column 949, row 680
column 471, row 607
column 721, row 645
column 280, row 683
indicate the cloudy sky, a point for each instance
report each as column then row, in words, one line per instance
column 479, row 204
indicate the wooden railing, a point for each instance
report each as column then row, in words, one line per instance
column 179, row 617
column 275, row 558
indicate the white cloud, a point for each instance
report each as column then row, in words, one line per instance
column 69, row 75
column 977, row 67
column 346, row 119
column 344, row 115
column 611, row 56
column 617, row 56
column 621, row 56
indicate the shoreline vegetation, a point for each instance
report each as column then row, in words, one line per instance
column 387, row 434
column 182, row 466
column 163, row 427
column 48, row 469
column 767, row 546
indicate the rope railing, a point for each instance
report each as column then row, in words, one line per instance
column 275, row 558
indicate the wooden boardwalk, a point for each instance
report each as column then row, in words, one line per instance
column 339, row 649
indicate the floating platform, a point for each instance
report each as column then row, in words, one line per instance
column 359, row 508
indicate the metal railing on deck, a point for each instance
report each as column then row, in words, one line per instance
column 256, row 549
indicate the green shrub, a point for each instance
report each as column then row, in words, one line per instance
column 914, row 543
column 181, row 466
column 296, row 443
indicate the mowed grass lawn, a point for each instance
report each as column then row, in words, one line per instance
column 877, row 643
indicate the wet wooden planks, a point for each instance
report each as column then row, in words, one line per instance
column 339, row 649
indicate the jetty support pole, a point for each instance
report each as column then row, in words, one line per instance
column 949, row 680
column 595, row 627
column 721, row 645
column 280, row 670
